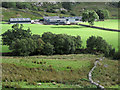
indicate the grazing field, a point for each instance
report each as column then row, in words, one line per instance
column 85, row 32
column 111, row 24
column 64, row 70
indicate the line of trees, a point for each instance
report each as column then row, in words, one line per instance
column 23, row 43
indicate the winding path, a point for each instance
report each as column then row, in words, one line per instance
column 90, row 74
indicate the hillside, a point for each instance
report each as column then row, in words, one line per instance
column 67, row 71
column 37, row 11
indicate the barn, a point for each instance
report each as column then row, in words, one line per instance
column 19, row 20
column 61, row 20
column 54, row 20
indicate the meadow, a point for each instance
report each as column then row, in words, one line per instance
column 111, row 24
column 67, row 71
column 85, row 32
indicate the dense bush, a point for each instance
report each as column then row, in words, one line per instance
column 98, row 44
column 16, row 33
column 63, row 44
column 23, row 42
column 48, row 49
column 23, row 47
column 63, row 12
column 89, row 16
column 103, row 14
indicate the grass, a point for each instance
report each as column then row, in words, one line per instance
column 13, row 13
column 23, row 72
column 85, row 32
column 112, row 24
column 57, row 62
column 43, row 85
column 106, row 69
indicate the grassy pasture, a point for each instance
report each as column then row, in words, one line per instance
column 85, row 32
column 112, row 24
column 22, row 71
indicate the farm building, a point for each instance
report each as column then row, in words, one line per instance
column 19, row 20
column 61, row 20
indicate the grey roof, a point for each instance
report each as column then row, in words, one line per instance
column 49, row 17
column 73, row 17
column 57, row 17
column 20, row 19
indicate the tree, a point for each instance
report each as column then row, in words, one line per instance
column 66, row 5
column 103, row 14
column 23, row 47
column 91, row 43
column 9, row 4
column 98, row 44
column 40, row 43
column 48, row 49
column 16, row 33
column 64, row 44
column 78, row 42
column 48, row 37
column 23, row 5
column 90, row 17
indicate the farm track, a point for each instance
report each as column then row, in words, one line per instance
column 90, row 74
column 107, row 29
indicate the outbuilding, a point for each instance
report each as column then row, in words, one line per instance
column 19, row 20
column 61, row 20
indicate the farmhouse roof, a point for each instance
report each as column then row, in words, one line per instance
column 73, row 17
column 51, row 17
column 57, row 17
column 20, row 19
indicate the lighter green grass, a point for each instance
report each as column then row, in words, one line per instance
column 43, row 85
column 58, row 63
column 85, row 32
column 112, row 24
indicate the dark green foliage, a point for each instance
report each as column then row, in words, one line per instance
column 48, row 49
column 103, row 14
column 48, row 37
column 64, row 44
column 119, row 4
column 9, row 4
column 40, row 43
column 23, row 47
column 66, row 5
column 51, row 11
column 89, row 16
column 73, row 14
column 98, row 44
column 22, row 42
column 23, row 5
column 78, row 42
column 63, row 12
column 16, row 33
column 117, row 55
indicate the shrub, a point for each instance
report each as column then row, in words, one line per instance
column 48, row 49
column 97, row 44
column 63, row 12
column 23, row 47
column 64, row 44
column 16, row 33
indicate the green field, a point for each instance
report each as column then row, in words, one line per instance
column 112, row 24
column 85, row 32
column 66, row 70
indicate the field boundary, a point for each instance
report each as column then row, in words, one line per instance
column 107, row 29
